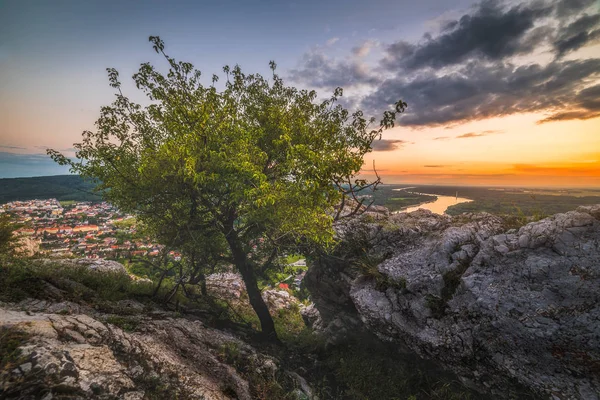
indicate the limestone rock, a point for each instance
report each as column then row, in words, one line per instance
column 88, row 358
column 505, row 310
column 225, row 285
column 279, row 299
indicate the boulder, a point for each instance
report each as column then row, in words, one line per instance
column 96, row 264
column 226, row 286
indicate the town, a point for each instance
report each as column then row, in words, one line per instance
column 80, row 229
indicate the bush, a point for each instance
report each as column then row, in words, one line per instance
column 21, row 278
column 8, row 240
column 366, row 369
column 11, row 339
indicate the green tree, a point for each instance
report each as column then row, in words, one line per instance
column 233, row 175
column 8, row 240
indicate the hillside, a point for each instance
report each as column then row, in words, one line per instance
column 61, row 187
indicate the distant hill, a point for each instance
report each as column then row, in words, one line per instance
column 60, row 187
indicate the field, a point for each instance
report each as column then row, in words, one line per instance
column 496, row 200
column 390, row 197
column 515, row 201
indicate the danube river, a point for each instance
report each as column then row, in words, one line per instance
column 438, row 206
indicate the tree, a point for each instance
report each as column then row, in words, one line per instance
column 238, row 174
column 8, row 240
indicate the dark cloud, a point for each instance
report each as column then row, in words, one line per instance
column 589, row 98
column 565, row 8
column 481, row 90
column 442, row 138
column 490, row 33
column 570, row 115
column 469, row 69
column 435, row 166
column 12, row 147
column 388, row 144
column 318, row 70
column 586, row 105
column 578, row 34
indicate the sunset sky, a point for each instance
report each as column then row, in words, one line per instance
column 499, row 93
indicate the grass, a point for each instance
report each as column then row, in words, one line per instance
column 11, row 339
column 365, row 369
column 20, row 279
column 362, row 369
column 128, row 324
column 292, row 258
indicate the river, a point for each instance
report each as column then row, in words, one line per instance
column 438, row 206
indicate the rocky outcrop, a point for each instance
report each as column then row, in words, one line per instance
column 506, row 310
column 74, row 343
column 97, row 264
column 140, row 355
column 230, row 287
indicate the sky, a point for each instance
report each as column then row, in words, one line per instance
column 500, row 93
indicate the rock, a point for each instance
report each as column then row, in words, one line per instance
column 230, row 286
column 102, row 265
column 225, row 285
column 162, row 358
column 312, row 317
column 503, row 310
column 98, row 264
column 279, row 299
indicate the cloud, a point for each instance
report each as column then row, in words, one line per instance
column 435, row 166
column 473, row 67
column 577, row 169
column 442, row 138
column 578, row 34
column 491, row 33
column 12, row 147
column 586, row 105
column 481, row 90
column 364, row 49
column 332, row 41
column 469, row 135
column 570, row 115
column 565, row 8
column 318, row 70
column 388, row 144
column 477, row 134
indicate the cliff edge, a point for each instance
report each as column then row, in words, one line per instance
column 513, row 312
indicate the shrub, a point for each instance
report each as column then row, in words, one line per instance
column 11, row 339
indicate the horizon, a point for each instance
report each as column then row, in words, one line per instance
column 417, row 184
column 499, row 93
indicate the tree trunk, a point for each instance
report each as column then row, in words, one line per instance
column 267, row 325
column 203, row 285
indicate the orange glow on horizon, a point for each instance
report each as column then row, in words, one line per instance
column 507, row 151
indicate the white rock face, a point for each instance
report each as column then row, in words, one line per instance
column 497, row 308
column 98, row 264
column 230, row 286
column 279, row 299
column 163, row 357
column 225, row 285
